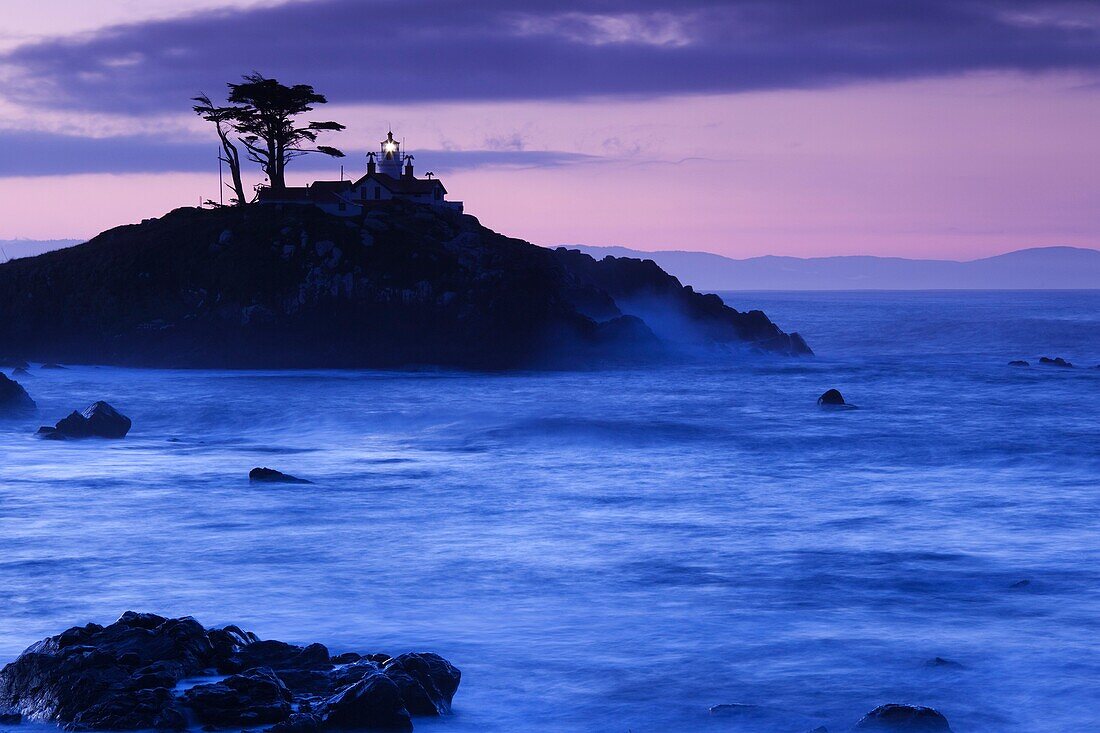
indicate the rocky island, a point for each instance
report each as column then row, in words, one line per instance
column 285, row 286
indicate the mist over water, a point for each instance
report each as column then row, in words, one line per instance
column 618, row 550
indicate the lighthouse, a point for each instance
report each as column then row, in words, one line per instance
column 390, row 177
column 389, row 159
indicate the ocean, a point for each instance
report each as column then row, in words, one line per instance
column 619, row 550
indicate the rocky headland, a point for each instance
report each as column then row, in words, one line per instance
column 291, row 286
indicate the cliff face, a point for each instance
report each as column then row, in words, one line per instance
column 266, row 286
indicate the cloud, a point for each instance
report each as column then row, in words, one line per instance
column 48, row 154
column 410, row 51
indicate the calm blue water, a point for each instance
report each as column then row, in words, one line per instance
column 618, row 551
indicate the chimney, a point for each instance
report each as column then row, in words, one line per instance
column 370, row 163
column 408, row 166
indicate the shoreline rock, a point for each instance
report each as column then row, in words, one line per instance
column 833, row 399
column 14, row 400
column 123, row 677
column 98, row 420
column 899, row 718
column 1056, row 361
column 271, row 476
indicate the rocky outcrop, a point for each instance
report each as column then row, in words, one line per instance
column 98, row 420
column 14, row 400
column 126, row 676
column 1018, row 363
column 833, row 399
column 271, row 476
column 290, row 286
column 894, row 718
column 1056, row 361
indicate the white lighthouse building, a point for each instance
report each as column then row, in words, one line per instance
column 389, row 159
column 389, row 177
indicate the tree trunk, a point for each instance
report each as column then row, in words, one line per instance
column 233, row 159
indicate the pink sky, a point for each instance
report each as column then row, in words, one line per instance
column 958, row 167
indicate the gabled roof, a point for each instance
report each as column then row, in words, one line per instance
column 403, row 184
column 330, row 192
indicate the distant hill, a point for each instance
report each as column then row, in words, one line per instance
column 1040, row 268
column 13, row 249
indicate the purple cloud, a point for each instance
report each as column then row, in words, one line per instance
column 401, row 51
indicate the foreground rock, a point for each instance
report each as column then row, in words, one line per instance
column 833, row 399
column 894, row 718
column 14, row 400
column 1056, row 361
column 98, row 420
column 259, row 286
column 124, row 677
column 271, row 476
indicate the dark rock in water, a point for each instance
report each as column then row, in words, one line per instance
column 14, row 400
column 427, row 682
column 98, row 420
column 1018, row 363
column 832, row 398
column 271, row 476
column 122, row 677
column 20, row 372
column 51, row 365
column 734, row 708
column 941, row 662
column 372, row 703
column 895, row 718
column 251, row 698
column 85, row 676
column 1056, row 361
column 411, row 286
column 1020, row 584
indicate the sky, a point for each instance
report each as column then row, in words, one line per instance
column 926, row 128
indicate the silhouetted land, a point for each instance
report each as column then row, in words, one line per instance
column 292, row 286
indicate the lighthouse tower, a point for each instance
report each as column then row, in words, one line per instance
column 389, row 160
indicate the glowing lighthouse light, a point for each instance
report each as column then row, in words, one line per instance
column 390, row 157
column 390, row 147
